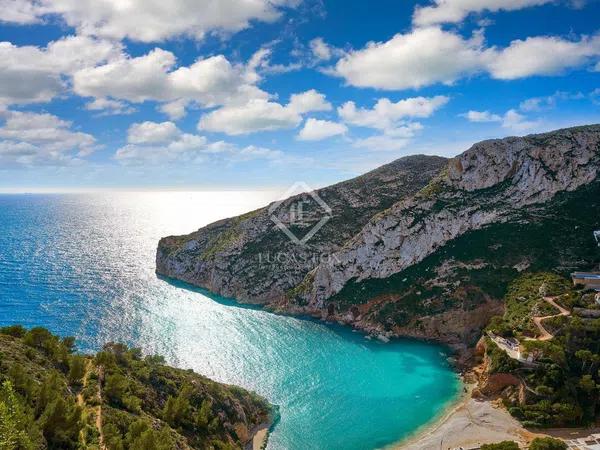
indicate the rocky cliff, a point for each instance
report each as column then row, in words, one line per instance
column 249, row 258
column 421, row 247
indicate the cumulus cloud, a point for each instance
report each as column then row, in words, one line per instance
column 308, row 101
column 31, row 74
column 263, row 115
column 146, row 21
column 28, row 138
column 517, row 122
column 419, row 58
column 209, row 82
column 321, row 50
column 426, row 56
column 152, row 143
column 175, row 110
column 453, row 11
column 393, row 120
column 390, row 139
column 256, row 115
column 152, row 132
column 316, row 130
column 546, row 55
column 21, row 12
column 387, row 114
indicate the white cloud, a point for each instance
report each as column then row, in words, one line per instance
column 426, row 56
column 419, row 58
column 308, row 101
column 256, row 115
column 263, row 115
column 211, row 81
column 316, row 130
column 387, row 114
column 390, row 139
column 517, row 122
column 597, row 67
column 454, row 11
column 511, row 119
column 260, row 64
column 542, row 56
column 108, row 107
column 175, row 110
column 482, row 116
column 19, row 11
column 144, row 20
column 152, row 133
column 30, row 74
column 321, row 50
column 36, row 139
column 152, row 143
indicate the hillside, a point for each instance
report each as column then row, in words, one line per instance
column 52, row 397
column 433, row 260
column 227, row 257
column 555, row 381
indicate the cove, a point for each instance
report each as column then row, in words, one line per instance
column 83, row 265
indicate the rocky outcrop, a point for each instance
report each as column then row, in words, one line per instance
column 249, row 258
column 422, row 247
column 484, row 185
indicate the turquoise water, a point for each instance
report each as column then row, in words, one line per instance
column 83, row 265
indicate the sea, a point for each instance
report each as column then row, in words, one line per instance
column 83, row 265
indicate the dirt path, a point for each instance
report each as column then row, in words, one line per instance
column 545, row 335
column 99, row 409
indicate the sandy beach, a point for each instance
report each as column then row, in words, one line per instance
column 260, row 438
column 469, row 423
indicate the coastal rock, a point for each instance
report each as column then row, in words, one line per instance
column 422, row 247
column 486, row 184
column 249, row 258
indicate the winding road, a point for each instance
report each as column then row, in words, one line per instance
column 545, row 335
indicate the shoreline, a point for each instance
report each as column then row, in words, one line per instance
column 260, row 437
column 466, row 422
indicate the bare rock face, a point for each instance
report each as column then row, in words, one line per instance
column 420, row 247
column 484, row 185
column 249, row 258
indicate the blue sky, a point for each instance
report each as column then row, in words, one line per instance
column 213, row 94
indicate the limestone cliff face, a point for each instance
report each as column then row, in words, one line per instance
column 249, row 258
column 487, row 184
column 421, row 247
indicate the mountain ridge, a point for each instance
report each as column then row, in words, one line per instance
column 493, row 184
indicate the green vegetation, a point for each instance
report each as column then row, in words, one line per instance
column 480, row 265
column 504, row 445
column 563, row 386
column 525, row 299
column 51, row 397
column 547, row 443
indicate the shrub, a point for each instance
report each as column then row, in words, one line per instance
column 547, row 443
column 504, row 445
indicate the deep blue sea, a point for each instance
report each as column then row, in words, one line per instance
column 83, row 265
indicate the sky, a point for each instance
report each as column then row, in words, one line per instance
column 253, row 94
